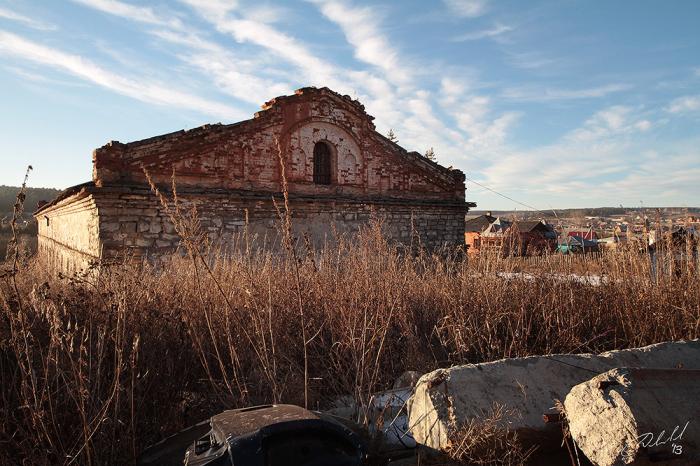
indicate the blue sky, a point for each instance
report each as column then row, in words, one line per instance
column 561, row 103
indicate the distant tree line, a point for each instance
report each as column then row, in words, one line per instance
column 586, row 212
column 8, row 197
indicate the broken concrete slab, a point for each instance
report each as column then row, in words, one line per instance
column 637, row 416
column 385, row 415
column 446, row 399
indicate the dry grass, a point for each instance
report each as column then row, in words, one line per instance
column 96, row 367
column 488, row 441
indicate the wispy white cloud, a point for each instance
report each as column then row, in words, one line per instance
column 451, row 89
column 213, row 8
column 497, row 30
column 606, row 144
column 685, row 104
column 484, row 133
column 31, row 75
column 403, row 99
column 233, row 75
column 268, row 14
column 135, row 13
column 244, row 86
column 137, row 88
column 27, row 21
column 531, row 60
column 643, row 125
column 243, row 30
column 361, row 28
column 378, row 91
column 659, row 177
column 539, row 94
column 612, row 121
column 467, row 8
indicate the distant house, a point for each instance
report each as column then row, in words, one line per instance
column 473, row 228
column 537, row 237
column 495, row 236
column 518, row 238
column 589, row 235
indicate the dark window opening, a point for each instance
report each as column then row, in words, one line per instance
column 322, row 163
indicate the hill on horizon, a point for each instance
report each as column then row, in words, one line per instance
column 8, row 196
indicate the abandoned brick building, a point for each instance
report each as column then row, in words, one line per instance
column 340, row 171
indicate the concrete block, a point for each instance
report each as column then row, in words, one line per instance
column 637, row 416
column 449, row 398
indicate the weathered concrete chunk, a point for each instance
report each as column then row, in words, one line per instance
column 637, row 416
column 447, row 399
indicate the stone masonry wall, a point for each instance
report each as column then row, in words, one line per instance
column 133, row 221
column 68, row 234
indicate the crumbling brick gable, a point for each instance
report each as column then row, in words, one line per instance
column 245, row 155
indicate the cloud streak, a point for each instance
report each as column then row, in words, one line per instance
column 497, row 30
column 685, row 104
column 27, row 21
column 537, row 94
column 140, row 89
column 132, row 12
column 467, row 8
column 362, row 31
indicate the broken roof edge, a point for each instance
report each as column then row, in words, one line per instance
column 316, row 90
column 65, row 194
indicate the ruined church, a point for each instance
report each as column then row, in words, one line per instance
column 340, row 171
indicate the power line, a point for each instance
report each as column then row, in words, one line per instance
column 507, row 197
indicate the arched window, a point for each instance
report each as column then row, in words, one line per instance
column 322, row 163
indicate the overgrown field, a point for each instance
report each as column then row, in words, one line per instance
column 96, row 367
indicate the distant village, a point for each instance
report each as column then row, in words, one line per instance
column 573, row 233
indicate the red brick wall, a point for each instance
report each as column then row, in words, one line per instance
column 245, row 155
